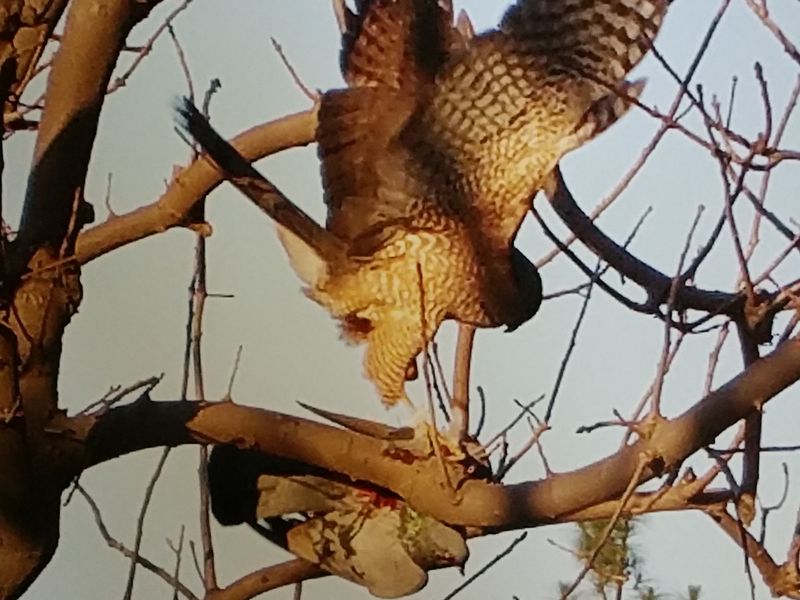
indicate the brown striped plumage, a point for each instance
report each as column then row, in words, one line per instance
column 432, row 155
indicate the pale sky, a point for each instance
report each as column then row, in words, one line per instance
column 132, row 321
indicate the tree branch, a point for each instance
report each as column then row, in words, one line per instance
column 782, row 580
column 190, row 185
column 655, row 283
column 94, row 35
column 132, row 427
column 751, row 465
column 266, row 579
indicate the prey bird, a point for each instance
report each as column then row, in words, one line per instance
column 431, row 157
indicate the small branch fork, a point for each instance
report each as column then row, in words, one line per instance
column 132, row 554
column 145, row 49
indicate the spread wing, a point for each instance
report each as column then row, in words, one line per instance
column 505, row 109
column 474, row 123
column 391, row 53
column 394, row 42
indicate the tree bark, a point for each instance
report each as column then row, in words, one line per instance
column 41, row 290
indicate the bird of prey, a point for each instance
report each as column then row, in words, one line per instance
column 431, row 157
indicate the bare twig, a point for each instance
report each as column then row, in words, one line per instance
column 429, row 374
column 229, row 393
column 713, row 357
column 484, row 569
column 311, row 95
column 440, row 375
column 117, row 394
column 562, row 369
column 178, row 549
column 194, row 351
column 675, row 286
column 609, row 528
column 761, row 11
column 120, row 547
column 146, row 48
column 182, row 60
column 525, row 410
column 767, row 510
column 537, row 430
column 137, row 544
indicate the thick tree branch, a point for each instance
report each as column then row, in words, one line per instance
column 655, row 283
column 42, row 292
column 94, row 34
column 190, row 185
column 266, row 579
column 129, row 428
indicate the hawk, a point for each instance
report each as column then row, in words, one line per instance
column 431, row 157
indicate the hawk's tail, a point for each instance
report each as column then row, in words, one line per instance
column 309, row 245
